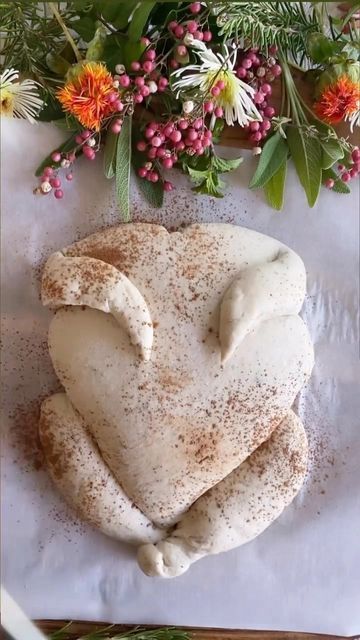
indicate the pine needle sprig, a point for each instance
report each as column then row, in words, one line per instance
column 138, row 633
column 284, row 24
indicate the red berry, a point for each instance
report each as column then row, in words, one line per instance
column 152, row 153
column 56, row 156
column 148, row 66
column 181, row 50
column 173, row 64
column 341, row 167
column 89, row 152
column 354, row 172
column 179, row 31
column 192, row 26
column 125, row 80
column 195, row 7
column 150, row 54
column 183, row 124
column 255, row 137
column 161, row 153
column 198, row 123
column 145, row 41
column 135, row 66
column 207, row 36
column 355, row 154
column 145, row 91
column 168, row 186
column 254, row 126
column 172, row 25
column 142, row 172
column 221, row 84
column 175, row 136
column 69, row 176
column 140, row 81
column 48, row 171
column 329, row 183
column 241, row 72
column 219, row 112
column 156, row 141
column 259, row 97
column 246, row 63
column 198, row 35
column 180, row 146
column 265, row 125
column 55, row 182
column 168, row 129
column 163, row 82
column 266, row 89
column 215, row 91
column 269, row 112
column 208, row 106
column 58, row 193
column 276, row 70
column 207, row 134
column 138, row 98
column 149, row 132
column 154, row 177
column 192, row 135
column 346, row 176
column 167, row 163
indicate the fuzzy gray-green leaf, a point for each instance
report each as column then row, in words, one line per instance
column 122, row 171
column 275, row 187
column 272, row 156
column 306, row 153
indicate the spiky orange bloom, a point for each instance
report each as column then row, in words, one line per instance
column 338, row 100
column 87, row 97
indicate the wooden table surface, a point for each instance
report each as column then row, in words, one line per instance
column 81, row 628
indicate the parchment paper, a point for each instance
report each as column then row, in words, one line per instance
column 303, row 572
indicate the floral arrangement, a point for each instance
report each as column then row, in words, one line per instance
column 153, row 84
column 109, row 633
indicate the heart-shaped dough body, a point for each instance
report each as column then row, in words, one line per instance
column 172, row 427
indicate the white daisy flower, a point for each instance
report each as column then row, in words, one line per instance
column 19, row 99
column 236, row 96
column 354, row 119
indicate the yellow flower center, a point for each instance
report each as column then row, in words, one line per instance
column 228, row 94
column 6, row 103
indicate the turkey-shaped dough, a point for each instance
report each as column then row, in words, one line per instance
column 169, row 449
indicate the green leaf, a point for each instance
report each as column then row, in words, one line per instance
column 306, row 153
column 96, row 46
column 339, row 185
column 332, row 151
column 116, row 12
column 132, row 51
column 275, row 187
column 57, row 64
column 139, row 19
column 153, row 192
column 68, row 145
column 85, row 27
column 320, row 48
column 272, row 156
column 110, row 154
column 222, row 165
column 113, row 52
column 122, row 171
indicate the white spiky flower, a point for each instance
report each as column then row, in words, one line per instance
column 19, row 99
column 354, row 118
column 236, row 96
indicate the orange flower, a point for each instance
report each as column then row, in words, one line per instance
column 87, row 96
column 338, row 101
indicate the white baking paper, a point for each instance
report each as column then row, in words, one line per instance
column 303, row 572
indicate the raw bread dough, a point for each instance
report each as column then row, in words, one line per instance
column 223, row 353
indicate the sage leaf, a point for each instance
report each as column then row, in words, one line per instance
column 272, row 156
column 306, row 153
column 339, row 185
column 122, row 170
column 139, row 19
column 110, row 154
column 275, row 187
column 332, row 151
column 153, row 192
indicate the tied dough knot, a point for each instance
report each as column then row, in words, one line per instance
column 166, row 559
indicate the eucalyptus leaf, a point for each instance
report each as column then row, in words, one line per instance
column 275, row 187
column 122, row 171
column 339, row 185
column 306, row 153
column 272, row 156
column 110, row 154
column 139, row 19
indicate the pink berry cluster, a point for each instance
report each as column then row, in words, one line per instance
column 259, row 72
column 164, row 141
column 185, row 32
column 347, row 173
column 50, row 180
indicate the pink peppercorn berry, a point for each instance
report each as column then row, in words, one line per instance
column 56, row 156
column 195, row 7
column 58, row 193
column 329, row 183
column 55, row 182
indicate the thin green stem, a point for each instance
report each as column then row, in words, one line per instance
column 66, row 31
